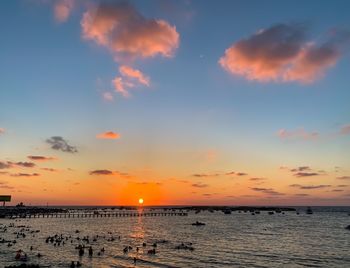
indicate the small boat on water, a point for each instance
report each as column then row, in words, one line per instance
column 198, row 223
column 309, row 211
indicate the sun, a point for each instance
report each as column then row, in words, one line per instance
column 140, row 201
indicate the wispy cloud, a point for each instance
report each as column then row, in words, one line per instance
column 25, row 175
column 41, row 158
column 199, row 185
column 5, row 185
column 108, row 135
column 5, row 165
column 62, row 9
column 344, row 178
column 204, row 175
column 284, row 53
column 60, row 144
column 310, row 187
column 129, row 78
column 345, row 130
column 306, row 174
column 107, row 172
column 268, row 191
column 297, row 134
column 2, row 130
column 257, row 179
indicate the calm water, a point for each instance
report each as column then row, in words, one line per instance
column 236, row 240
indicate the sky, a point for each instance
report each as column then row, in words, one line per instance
column 176, row 102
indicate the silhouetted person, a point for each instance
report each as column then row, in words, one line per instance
column 72, row 265
column 90, row 251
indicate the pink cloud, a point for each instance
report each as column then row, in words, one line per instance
column 129, row 78
column 107, row 96
column 297, row 134
column 2, row 131
column 108, row 135
column 282, row 53
column 62, row 9
column 127, row 33
column 131, row 73
column 345, row 130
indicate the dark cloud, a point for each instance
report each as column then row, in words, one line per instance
column 230, row 173
column 101, row 172
column 306, row 174
column 25, row 175
column 257, row 179
column 337, row 190
column 344, row 178
column 310, row 187
column 241, row 174
column 4, row 185
column 24, row 164
column 301, row 169
column 40, row 158
column 302, row 195
column 5, row 165
column 269, row 191
column 60, row 144
column 50, row 169
column 203, row 175
column 199, row 185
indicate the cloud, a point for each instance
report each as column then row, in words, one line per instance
column 230, row 173
column 25, row 175
column 130, row 78
column 4, row 185
column 127, row 33
column 241, row 174
column 24, row 164
column 297, row 134
column 300, row 169
column 108, row 135
column 5, row 165
column 2, row 131
column 283, row 53
column 339, row 178
column 106, row 172
column 131, row 73
column 203, row 175
column 40, row 158
column 268, row 191
column 310, row 187
column 306, row 174
column 302, row 195
column 101, row 172
column 62, row 9
column 345, row 130
column 60, row 144
column 50, row 169
column 199, row 185
column 257, row 179
column 107, row 96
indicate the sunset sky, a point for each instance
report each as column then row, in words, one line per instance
column 177, row 102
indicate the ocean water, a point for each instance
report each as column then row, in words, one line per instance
column 236, row 240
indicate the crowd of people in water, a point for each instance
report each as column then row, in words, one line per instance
column 85, row 245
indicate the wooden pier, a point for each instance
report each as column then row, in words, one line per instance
column 99, row 215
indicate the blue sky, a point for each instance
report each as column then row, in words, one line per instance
column 53, row 80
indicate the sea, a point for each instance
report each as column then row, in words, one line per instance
column 234, row 240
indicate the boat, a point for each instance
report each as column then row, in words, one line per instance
column 309, row 211
column 198, row 223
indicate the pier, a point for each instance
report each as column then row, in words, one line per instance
column 97, row 215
